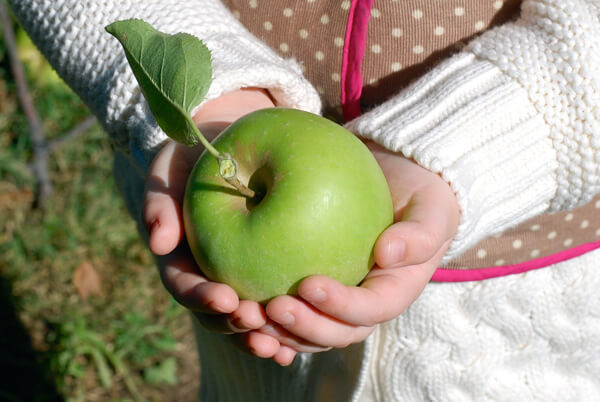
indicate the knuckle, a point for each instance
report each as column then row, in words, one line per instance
column 430, row 242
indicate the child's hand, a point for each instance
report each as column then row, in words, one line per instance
column 329, row 314
column 216, row 305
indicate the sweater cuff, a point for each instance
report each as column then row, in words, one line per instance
column 477, row 128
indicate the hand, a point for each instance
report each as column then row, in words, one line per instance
column 328, row 314
column 216, row 305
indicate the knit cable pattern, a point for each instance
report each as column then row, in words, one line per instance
column 530, row 337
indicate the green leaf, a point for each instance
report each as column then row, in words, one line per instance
column 174, row 73
column 165, row 372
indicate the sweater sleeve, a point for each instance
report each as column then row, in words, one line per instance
column 512, row 122
column 71, row 35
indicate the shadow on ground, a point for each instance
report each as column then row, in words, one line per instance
column 24, row 375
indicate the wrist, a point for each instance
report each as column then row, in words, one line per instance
column 214, row 115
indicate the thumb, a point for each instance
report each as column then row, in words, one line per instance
column 428, row 221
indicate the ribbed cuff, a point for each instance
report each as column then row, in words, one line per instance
column 476, row 127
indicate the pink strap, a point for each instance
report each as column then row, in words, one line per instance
column 466, row 275
column 354, row 50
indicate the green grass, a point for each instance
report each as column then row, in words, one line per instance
column 130, row 341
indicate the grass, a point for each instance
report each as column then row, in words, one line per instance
column 127, row 341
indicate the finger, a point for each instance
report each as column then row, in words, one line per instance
column 182, row 279
column 249, row 315
column 425, row 225
column 261, row 344
column 290, row 340
column 383, row 295
column 313, row 326
column 165, row 187
column 285, row 356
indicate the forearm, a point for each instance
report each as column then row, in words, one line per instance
column 70, row 33
column 511, row 122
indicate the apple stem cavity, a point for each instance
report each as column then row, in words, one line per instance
column 228, row 169
column 174, row 88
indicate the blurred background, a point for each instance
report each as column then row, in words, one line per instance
column 83, row 315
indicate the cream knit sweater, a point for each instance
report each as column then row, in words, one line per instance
column 512, row 122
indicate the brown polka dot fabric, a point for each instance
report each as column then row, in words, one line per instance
column 405, row 38
column 539, row 237
column 311, row 32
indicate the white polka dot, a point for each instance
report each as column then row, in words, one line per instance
column 288, row 12
column 376, row 48
column 535, row 227
column 375, row 13
column 320, row 89
column 339, row 42
column 302, row 66
column 345, row 5
column 303, row 33
column 481, row 253
column 534, row 253
column 479, row 25
column 517, row 244
column 439, row 31
column 568, row 242
column 268, row 25
column 319, row 55
column 374, row 82
column 459, row 11
column 284, row 47
column 597, row 232
column 584, row 224
column 498, row 5
column 551, row 235
column 597, row 204
column 335, row 77
column 418, row 49
column 569, row 217
column 324, row 19
column 253, row 3
column 397, row 32
column 396, row 67
column 236, row 14
column 417, row 14
column 499, row 262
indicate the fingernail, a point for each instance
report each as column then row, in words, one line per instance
column 286, row 319
column 394, row 252
column 317, row 295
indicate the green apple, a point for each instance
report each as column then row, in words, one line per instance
column 321, row 202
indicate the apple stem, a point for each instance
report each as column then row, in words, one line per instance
column 228, row 167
